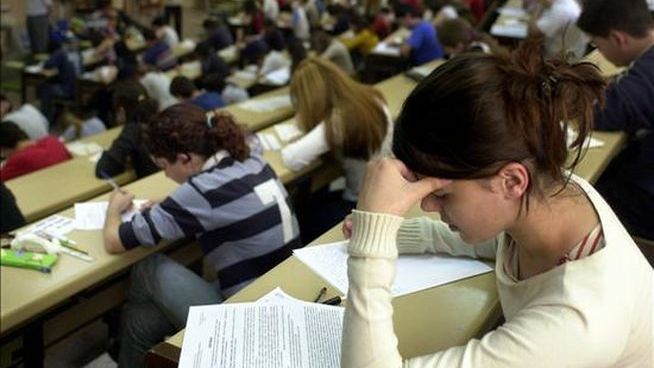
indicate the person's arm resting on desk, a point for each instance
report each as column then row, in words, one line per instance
column 119, row 202
column 182, row 214
column 305, row 150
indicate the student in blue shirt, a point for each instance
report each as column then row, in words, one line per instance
column 183, row 89
column 422, row 45
column 68, row 64
column 158, row 53
column 217, row 34
column 623, row 31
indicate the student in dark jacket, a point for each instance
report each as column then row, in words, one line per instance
column 210, row 62
column 217, row 34
column 10, row 216
column 131, row 101
column 623, row 31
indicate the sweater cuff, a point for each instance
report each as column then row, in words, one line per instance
column 410, row 237
column 373, row 234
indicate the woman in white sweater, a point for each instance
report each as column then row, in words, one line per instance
column 480, row 141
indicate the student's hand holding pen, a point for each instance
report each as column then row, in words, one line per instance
column 119, row 201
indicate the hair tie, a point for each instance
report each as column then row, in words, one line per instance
column 210, row 121
column 549, row 84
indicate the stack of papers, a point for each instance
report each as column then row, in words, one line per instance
column 266, row 104
column 91, row 215
column 277, row 331
column 383, row 48
column 278, row 77
column 287, row 131
column 55, row 225
column 415, row 272
column 590, row 142
column 78, row 148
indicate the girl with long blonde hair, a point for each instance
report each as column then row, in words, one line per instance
column 338, row 115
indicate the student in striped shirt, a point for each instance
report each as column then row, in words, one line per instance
column 229, row 199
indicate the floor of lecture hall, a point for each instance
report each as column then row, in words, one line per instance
column 87, row 347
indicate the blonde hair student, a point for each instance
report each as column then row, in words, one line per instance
column 339, row 115
column 481, row 141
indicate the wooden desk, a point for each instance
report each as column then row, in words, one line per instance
column 38, row 309
column 54, row 188
column 426, row 321
column 396, row 89
column 257, row 120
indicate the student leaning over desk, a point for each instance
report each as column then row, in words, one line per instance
column 341, row 116
column 229, row 199
column 480, row 141
column 132, row 103
column 624, row 34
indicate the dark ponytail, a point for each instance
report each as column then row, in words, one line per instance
column 186, row 128
column 477, row 112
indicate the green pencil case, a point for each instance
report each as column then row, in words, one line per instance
column 35, row 261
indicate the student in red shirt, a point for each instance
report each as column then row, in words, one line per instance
column 24, row 155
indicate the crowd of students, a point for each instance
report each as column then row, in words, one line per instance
column 481, row 140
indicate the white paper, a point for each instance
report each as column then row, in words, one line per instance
column 383, row 48
column 287, row 131
column 414, row 272
column 245, row 75
column 518, row 30
column 191, row 70
column 34, row 69
column 278, row 77
column 510, row 11
column 187, row 44
column 269, row 141
column 590, row 142
column 267, row 335
column 266, row 104
column 55, row 225
column 83, row 149
column 91, row 215
column 277, row 296
column 229, row 54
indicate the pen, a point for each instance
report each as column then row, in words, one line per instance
column 322, row 292
column 333, row 301
column 110, row 180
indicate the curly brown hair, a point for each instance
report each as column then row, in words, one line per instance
column 186, row 128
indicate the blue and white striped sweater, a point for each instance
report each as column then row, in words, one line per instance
column 238, row 211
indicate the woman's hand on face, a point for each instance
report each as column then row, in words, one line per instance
column 390, row 187
column 346, row 228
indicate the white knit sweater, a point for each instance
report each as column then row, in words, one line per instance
column 593, row 312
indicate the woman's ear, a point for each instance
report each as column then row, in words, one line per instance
column 515, row 179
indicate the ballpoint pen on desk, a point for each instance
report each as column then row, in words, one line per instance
column 321, row 294
column 67, row 246
column 333, row 301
